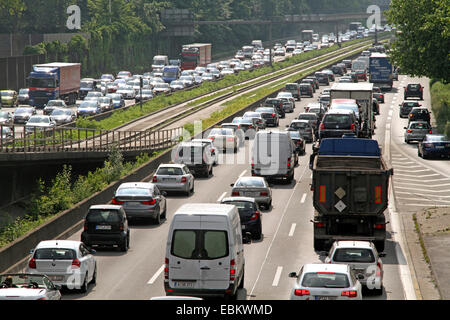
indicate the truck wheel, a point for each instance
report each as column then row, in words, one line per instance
column 379, row 245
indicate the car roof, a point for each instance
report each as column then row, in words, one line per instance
column 354, row 244
column 66, row 244
column 231, row 199
column 325, row 267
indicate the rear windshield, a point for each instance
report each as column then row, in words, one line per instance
column 308, row 116
column 354, row 255
column 410, row 104
column 327, row 280
column 170, row 171
column 291, row 87
column 250, row 183
column 133, row 192
column 200, row 244
column 419, row 126
column 243, row 206
column 337, row 118
column 413, row 87
column 55, row 254
column 299, row 125
column 99, row 216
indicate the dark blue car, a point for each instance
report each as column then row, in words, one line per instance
column 434, row 145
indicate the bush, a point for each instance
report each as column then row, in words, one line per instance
column 440, row 105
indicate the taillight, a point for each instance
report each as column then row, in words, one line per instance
column 235, row 193
column 289, row 162
column 301, row 292
column 379, row 226
column 166, row 269
column 85, row 226
column 263, row 194
column 409, row 130
column 350, row 293
column 230, row 139
column 115, row 201
column 250, row 127
column 211, row 138
column 428, row 145
column 155, row 179
column 76, row 263
column 319, row 224
column 183, row 179
column 322, row 126
column 352, row 127
column 273, row 115
column 429, row 131
column 378, row 269
column 232, row 270
column 121, row 226
column 32, row 264
column 255, row 215
column 149, row 202
column 253, row 165
column 213, row 151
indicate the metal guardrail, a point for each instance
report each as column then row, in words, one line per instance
column 62, row 139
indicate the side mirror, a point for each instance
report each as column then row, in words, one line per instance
column 287, row 126
column 232, row 185
column 92, row 251
column 293, row 275
column 58, row 287
column 405, row 128
column 382, row 254
column 31, row 251
column 164, row 193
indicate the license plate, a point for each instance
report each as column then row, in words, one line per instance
column 103, row 227
column 324, row 298
column 183, row 284
column 170, row 179
column 56, row 278
column 251, row 194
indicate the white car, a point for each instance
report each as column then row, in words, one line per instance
column 67, row 263
column 325, row 282
column 23, row 286
column 127, row 92
column 224, row 139
column 363, row 258
column 39, row 122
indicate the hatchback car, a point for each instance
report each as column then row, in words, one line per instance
column 364, row 260
column 277, row 104
column 258, row 120
column 310, row 81
column 434, row 145
column 224, row 139
column 311, row 117
column 65, row 262
column 254, row 187
column 209, row 144
column 247, row 125
column 8, row 98
column 237, row 131
column 336, row 123
column 23, row 96
column 413, row 90
column 251, row 220
column 23, row 113
column 325, row 282
column 25, row 286
column 174, row 177
column 106, row 225
column 306, row 89
column 270, row 115
column 105, row 103
column 304, row 128
column 141, row 200
column 416, row 131
column 406, row 107
column 419, row 114
column 377, row 94
column 89, row 108
column 197, row 157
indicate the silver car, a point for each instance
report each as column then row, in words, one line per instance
column 61, row 116
column 417, row 130
column 224, row 139
column 325, row 282
column 141, row 200
column 25, row 286
column 174, row 177
column 363, row 258
column 304, row 128
column 53, row 104
column 253, row 187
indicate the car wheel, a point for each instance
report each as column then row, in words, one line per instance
column 84, row 286
column 210, row 172
column 124, row 245
column 241, row 284
column 163, row 215
column 258, row 233
column 318, row 245
column 379, row 291
column 379, row 245
column 157, row 220
column 407, row 141
column 94, row 276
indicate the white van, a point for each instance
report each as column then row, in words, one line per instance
column 273, row 155
column 205, row 253
column 257, row 44
column 159, row 62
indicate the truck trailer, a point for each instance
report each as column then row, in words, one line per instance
column 54, row 81
column 381, row 71
column 350, row 192
column 195, row 55
column 362, row 93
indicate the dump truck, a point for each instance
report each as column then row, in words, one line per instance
column 362, row 93
column 350, row 192
column 54, row 81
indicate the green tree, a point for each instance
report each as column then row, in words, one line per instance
column 422, row 47
column 11, row 13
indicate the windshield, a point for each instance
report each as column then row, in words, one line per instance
column 38, row 120
column 354, row 255
column 88, row 104
column 42, row 83
column 6, row 94
column 162, row 85
column 133, row 192
column 24, row 91
column 299, row 125
column 437, row 138
column 189, row 57
column 170, row 171
column 103, row 216
column 59, row 112
column 199, row 244
column 159, row 62
column 325, row 280
column 23, row 110
column 53, row 103
column 170, row 74
column 26, row 281
column 104, row 100
column 55, row 254
column 220, row 131
column 86, row 84
column 249, row 182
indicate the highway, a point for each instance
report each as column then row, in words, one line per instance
column 287, row 241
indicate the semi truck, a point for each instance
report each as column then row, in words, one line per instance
column 362, row 93
column 54, row 81
column 381, row 71
column 195, row 55
column 307, row 35
column 350, row 192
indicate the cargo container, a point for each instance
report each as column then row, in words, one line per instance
column 380, row 71
column 195, row 55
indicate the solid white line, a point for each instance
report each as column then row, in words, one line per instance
column 276, row 279
column 222, row 196
column 421, row 184
column 424, row 190
column 422, row 199
column 156, row 275
column 412, row 171
column 390, row 112
column 303, row 198
column 291, row 232
column 424, row 194
column 243, row 172
column 431, row 205
column 417, row 177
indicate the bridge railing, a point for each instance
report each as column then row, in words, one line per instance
column 61, row 139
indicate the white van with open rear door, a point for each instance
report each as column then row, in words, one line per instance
column 205, row 253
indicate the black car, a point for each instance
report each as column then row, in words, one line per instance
column 406, row 107
column 196, row 156
column 315, row 81
column 106, row 225
column 277, row 104
column 299, row 142
column 338, row 70
column 322, row 78
column 413, row 90
column 270, row 115
column 377, row 94
column 306, row 89
column 310, row 81
column 336, row 123
column 434, row 145
column 418, row 114
column 249, row 214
